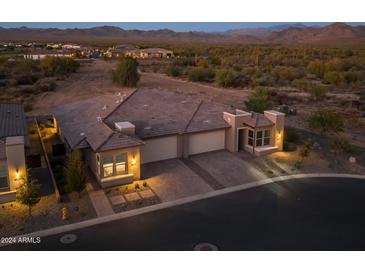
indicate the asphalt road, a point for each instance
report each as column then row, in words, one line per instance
column 301, row 214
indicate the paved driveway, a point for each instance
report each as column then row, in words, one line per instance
column 227, row 169
column 171, row 180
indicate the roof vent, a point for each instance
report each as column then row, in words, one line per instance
column 99, row 119
column 148, row 127
column 104, row 107
column 125, row 127
column 82, row 134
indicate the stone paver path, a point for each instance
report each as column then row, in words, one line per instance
column 101, row 203
column 147, row 194
column 132, row 196
column 117, row 199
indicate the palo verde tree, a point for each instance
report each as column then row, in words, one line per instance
column 75, row 172
column 126, row 73
column 29, row 193
column 259, row 101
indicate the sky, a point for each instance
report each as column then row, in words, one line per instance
column 185, row 26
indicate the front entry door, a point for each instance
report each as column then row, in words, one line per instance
column 240, row 140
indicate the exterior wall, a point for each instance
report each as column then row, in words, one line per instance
column 133, row 170
column 157, row 149
column 237, row 122
column 15, row 160
column 278, row 119
column 4, row 163
column 206, row 141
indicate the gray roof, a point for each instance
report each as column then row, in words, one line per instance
column 258, row 120
column 153, row 112
column 12, row 120
column 81, row 122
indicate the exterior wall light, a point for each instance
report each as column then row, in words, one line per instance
column 17, row 173
column 134, row 161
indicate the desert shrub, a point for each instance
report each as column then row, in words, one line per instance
column 326, row 121
column 340, row 144
column 317, row 68
column 126, row 73
column 301, row 84
column 334, row 77
column 287, row 73
column 58, row 66
column 259, row 101
column 200, row 74
column 317, row 91
column 226, row 78
column 291, row 135
column 173, row 70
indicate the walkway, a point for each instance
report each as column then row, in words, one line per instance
column 100, row 203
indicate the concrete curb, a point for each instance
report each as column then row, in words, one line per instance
column 122, row 215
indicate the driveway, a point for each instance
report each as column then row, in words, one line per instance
column 227, row 169
column 171, row 180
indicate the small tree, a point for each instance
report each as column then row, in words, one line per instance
column 29, row 193
column 326, row 121
column 75, row 172
column 126, row 73
column 225, row 78
column 304, row 152
column 259, row 100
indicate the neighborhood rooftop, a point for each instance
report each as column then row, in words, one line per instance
column 12, row 120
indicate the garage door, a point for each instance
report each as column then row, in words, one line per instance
column 159, row 149
column 207, row 141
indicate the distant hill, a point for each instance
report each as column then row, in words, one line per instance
column 337, row 34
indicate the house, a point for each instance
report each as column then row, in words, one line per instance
column 117, row 133
column 149, row 53
column 13, row 139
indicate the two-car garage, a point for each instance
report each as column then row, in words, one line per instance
column 163, row 148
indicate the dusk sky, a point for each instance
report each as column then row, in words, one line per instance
column 186, row 26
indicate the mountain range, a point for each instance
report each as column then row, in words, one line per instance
column 337, row 34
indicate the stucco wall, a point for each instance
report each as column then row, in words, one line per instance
column 15, row 160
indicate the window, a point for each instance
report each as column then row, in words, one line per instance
column 108, row 166
column 263, row 137
column 250, row 138
column 3, row 177
column 121, row 164
column 267, row 136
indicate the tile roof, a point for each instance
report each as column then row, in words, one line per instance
column 153, row 112
column 258, row 120
column 12, row 120
column 81, row 122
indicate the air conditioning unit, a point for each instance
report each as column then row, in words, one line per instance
column 125, row 127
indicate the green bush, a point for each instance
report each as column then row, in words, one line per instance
column 173, row 70
column 259, row 101
column 317, row 91
column 200, row 74
column 291, row 135
column 58, row 66
column 226, row 78
column 126, row 73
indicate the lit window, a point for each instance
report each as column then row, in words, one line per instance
column 108, row 166
column 263, row 138
column 3, row 177
column 250, row 138
column 121, row 164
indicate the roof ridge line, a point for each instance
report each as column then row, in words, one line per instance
column 103, row 143
column 192, row 116
column 110, row 113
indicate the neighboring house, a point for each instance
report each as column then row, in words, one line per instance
column 150, row 53
column 13, row 139
column 40, row 56
column 117, row 133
